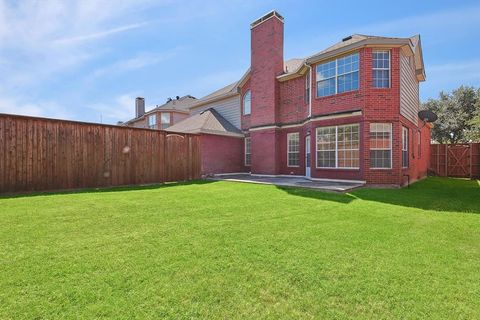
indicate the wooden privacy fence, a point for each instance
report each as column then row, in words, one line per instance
column 45, row 154
column 455, row 160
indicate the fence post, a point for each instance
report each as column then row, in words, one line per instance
column 471, row 160
column 446, row 160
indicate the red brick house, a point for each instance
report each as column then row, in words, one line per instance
column 348, row 112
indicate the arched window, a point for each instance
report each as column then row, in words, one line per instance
column 247, row 103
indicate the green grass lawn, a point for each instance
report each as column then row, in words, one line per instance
column 235, row 250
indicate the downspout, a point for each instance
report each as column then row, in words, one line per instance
column 310, row 91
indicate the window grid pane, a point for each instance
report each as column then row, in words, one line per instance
column 152, row 121
column 248, row 154
column 247, row 102
column 380, row 145
column 326, row 147
column 404, row 147
column 293, row 149
column 348, row 146
column 381, row 69
column 338, row 147
column 337, row 76
column 164, row 120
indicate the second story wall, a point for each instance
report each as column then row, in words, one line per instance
column 372, row 101
column 228, row 108
column 293, row 104
column 409, row 89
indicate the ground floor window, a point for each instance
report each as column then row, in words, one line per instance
column 419, row 137
column 338, row 147
column 404, row 147
column 248, row 154
column 381, row 145
column 293, row 149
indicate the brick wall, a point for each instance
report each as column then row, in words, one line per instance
column 222, row 154
column 266, row 65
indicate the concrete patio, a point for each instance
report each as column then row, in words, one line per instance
column 324, row 185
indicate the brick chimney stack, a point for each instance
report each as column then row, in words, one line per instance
column 139, row 107
column 266, row 65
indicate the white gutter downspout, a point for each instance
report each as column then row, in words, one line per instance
column 310, row 91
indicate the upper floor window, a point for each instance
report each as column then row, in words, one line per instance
column 381, row 69
column 337, row 76
column 152, row 121
column 293, row 149
column 247, row 103
column 165, row 120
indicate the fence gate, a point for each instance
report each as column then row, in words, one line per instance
column 458, row 161
column 455, row 160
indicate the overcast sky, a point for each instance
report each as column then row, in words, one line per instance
column 88, row 59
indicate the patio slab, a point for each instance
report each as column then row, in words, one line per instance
column 324, row 185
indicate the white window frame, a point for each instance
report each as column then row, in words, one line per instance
column 154, row 125
column 245, row 151
column 405, row 146
column 249, row 93
column 288, row 149
column 389, row 69
column 337, row 75
column 390, row 149
column 169, row 119
column 336, row 147
column 419, row 142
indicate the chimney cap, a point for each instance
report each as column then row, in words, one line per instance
column 265, row 17
column 140, row 98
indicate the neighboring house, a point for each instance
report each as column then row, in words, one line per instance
column 348, row 112
column 161, row 117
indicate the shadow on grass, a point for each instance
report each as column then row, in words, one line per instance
column 318, row 195
column 105, row 189
column 433, row 193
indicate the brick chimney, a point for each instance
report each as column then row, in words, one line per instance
column 139, row 107
column 266, row 65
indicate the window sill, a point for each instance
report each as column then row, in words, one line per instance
column 329, row 168
column 383, row 169
column 293, row 166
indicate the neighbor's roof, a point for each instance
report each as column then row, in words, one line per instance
column 181, row 105
column 208, row 121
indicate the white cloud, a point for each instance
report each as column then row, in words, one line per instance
column 40, row 109
column 96, row 35
column 139, row 61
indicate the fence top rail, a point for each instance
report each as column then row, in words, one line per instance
column 85, row 123
column 454, row 144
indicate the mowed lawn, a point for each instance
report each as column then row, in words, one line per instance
column 241, row 251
